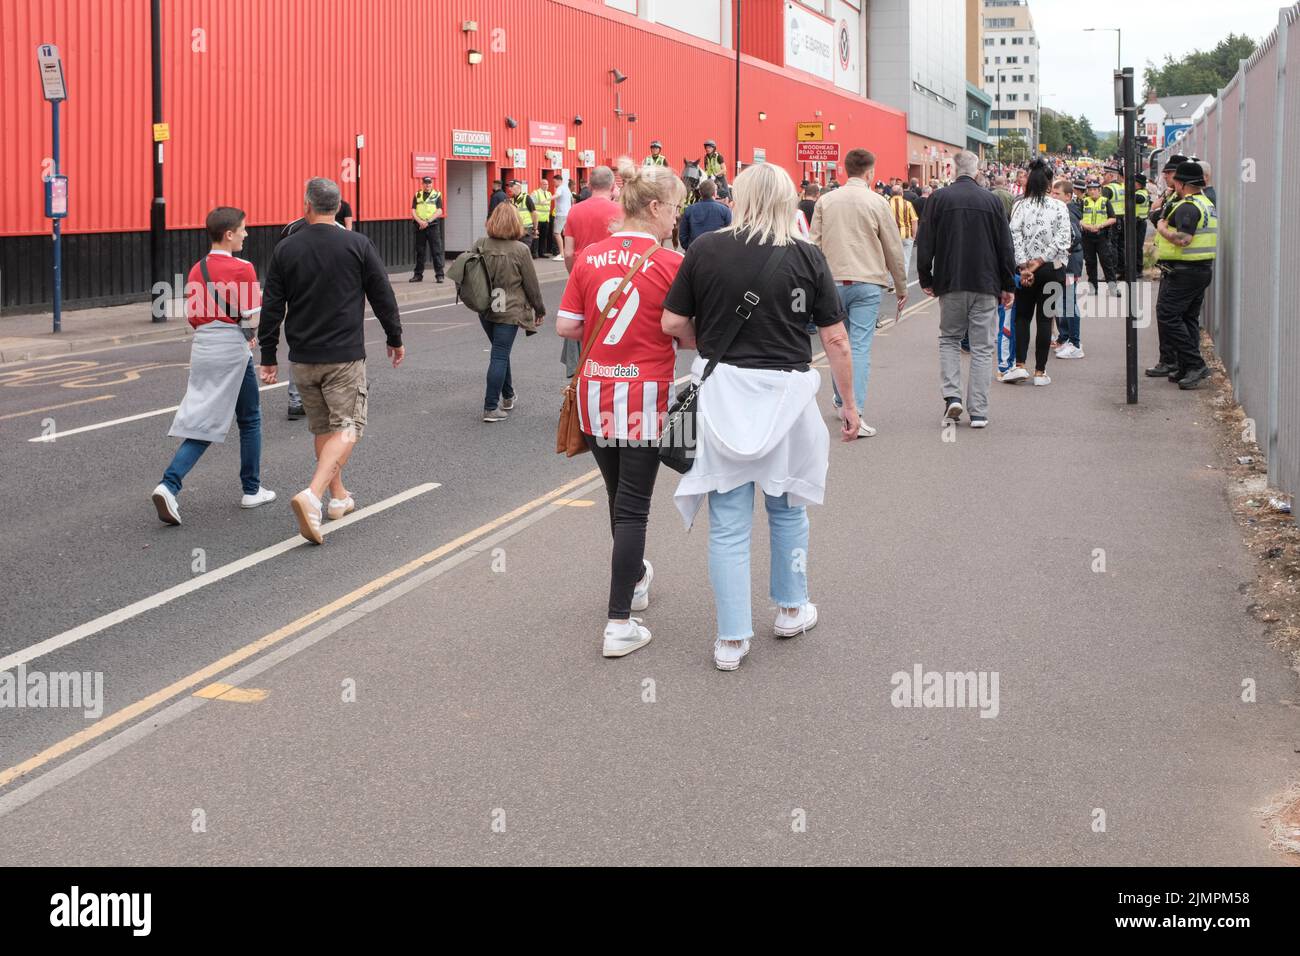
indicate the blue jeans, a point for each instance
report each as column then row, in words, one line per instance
column 502, row 336
column 731, row 518
column 248, row 415
column 862, row 303
column 1068, row 323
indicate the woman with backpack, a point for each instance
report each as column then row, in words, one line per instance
column 624, row 385
column 513, row 297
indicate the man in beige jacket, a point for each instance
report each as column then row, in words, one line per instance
column 856, row 232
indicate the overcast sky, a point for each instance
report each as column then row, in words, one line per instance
column 1075, row 76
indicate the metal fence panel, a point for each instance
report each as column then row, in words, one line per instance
column 1284, row 465
column 1258, row 197
column 1251, row 135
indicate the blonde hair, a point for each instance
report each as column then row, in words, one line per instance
column 643, row 185
column 765, row 201
column 504, row 222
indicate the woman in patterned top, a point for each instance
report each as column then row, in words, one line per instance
column 1040, row 233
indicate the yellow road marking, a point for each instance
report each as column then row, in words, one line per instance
column 575, row 502
column 131, row 711
column 50, row 408
column 233, row 694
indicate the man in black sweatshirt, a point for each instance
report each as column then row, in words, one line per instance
column 323, row 276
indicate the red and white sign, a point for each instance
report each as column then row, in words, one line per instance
column 424, row 164
column 816, row 152
column 546, row 134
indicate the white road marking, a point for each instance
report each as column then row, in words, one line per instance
column 128, row 418
column 200, row 581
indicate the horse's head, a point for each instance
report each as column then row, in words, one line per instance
column 691, row 172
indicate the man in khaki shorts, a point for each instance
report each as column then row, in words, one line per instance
column 323, row 276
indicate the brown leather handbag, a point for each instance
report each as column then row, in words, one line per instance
column 569, row 440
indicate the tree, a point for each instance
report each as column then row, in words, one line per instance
column 1049, row 132
column 1012, row 148
column 1201, row 71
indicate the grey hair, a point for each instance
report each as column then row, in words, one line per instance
column 322, row 195
column 602, row 177
column 1000, row 179
column 966, row 163
column 897, row 191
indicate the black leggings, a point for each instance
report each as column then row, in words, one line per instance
column 629, row 472
column 1046, row 298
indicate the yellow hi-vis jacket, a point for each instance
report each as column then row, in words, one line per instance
column 542, row 200
column 1205, row 241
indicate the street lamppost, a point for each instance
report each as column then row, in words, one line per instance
column 1119, row 64
column 1038, row 118
column 999, row 70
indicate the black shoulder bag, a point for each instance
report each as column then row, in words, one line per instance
column 678, row 438
column 226, row 307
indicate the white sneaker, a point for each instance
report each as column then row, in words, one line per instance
column 727, row 654
column 306, row 507
column 168, row 511
column 641, row 593
column 865, row 430
column 1017, row 374
column 977, row 422
column 262, row 497
column 623, row 637
column 338, row 507
column 1042, row 378
column 1068, row 351
column 800, row 622
column 557, row 258
column 953, row 412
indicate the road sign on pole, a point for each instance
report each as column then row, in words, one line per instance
column 816, row 152
column 50, row 65
column 55, row 91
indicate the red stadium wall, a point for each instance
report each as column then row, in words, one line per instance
column 261, row 95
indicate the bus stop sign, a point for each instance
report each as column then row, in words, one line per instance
column 51, row 67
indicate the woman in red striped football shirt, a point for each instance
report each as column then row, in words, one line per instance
column 625, row 383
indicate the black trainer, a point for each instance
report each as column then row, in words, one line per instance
column 1158, row 371
column 952, row 409
column 296, row 412
column 416, row 279
column 1194, row 378
column 1176, row 376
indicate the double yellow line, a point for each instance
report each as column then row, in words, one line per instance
column 187, row 683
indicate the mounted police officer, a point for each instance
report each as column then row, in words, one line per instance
column 426, row 210
column 714, row 165
column 1187, row 244
column 656, row 157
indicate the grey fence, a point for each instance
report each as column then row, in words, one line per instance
column 1251, row 136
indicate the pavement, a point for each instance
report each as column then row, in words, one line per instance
column 428, row 687
column 31, row 336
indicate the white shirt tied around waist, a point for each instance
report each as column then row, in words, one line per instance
column 756, row 425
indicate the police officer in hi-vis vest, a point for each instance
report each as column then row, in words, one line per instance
column 526, row 209
column 1187, row 242
column 656, row 157
column 426, row 210
column 1112, row 190
column 1096, row 224
column 714, row 165
column 542, row 197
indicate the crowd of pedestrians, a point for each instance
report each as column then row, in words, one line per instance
column 757, row 276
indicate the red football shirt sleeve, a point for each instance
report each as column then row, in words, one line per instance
column 573, row 302
column 250, row 291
